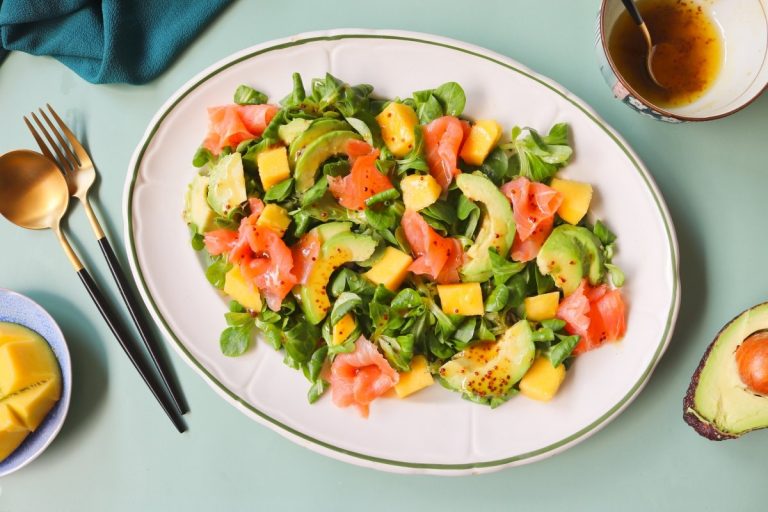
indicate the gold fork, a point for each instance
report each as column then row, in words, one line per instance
column 78, row 169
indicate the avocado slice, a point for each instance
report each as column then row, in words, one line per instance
column 317, row 128
column 341, row 248
column 197, row 213
column 226, row 187
column 488, row 371
column 569, row 254
column 718, row 405
column 289, row 132
column 324, row 147
column 497, row 229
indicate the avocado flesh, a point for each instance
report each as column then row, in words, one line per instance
column 316, row 129
column 569, row 254
column 342, row 248
column 718, row 404
column 197, row 213
column 325, row 147
column 226, row 188
column 485, row 371
column 497, row 228
column 289, row 132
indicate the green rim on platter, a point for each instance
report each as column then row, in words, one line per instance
column 341, row 451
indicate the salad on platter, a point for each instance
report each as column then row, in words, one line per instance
column 385, row 244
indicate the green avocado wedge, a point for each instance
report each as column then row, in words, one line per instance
column 718, row 405
column 569, row 254
column 226, row 186
column 497, row 229
column 487, row 372
column 339, row 249
column 320, row 150
column 197, row 213
column 315, row 130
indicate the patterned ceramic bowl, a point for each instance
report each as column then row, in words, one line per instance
column 744, row 75
column 17, row 308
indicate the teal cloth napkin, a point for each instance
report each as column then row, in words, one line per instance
column 105, row 41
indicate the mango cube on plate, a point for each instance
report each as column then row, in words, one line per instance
column 275, row 218
column 342, row 329
column 542, row 307
column 576, row 199
column 419, row 191
column 483, row 137
column 419, row 377
column 390, row 269
column 542, row 380
column 243, row 292
column 461, row 299
column 273, row 166
column 398, row 122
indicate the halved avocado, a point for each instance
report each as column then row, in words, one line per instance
column 489, row 371
column 497, row 229
column 718, row 404
column 569, row 254
column 341, row 248
column 318, row 128
column 325, row 147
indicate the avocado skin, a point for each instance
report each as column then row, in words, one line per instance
column 700, row 425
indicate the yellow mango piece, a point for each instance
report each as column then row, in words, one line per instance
column 576, row 199
column 483, row 137
column 542, row 381
column 239, row 289
column 275, row 218
column 419, row 191
column 13, row 332
column 273, row 166
column 12, row 432
column 542, row 307
column 33, row 404
column 397, row 122
column 461, row 299
column 390, row 269
column 343, row 329
column 417, row 378
column 25, row 362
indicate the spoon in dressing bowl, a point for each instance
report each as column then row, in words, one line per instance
column 34, row 195
column 656, row 53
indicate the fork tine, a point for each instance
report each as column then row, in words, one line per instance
column 41, row 143
column 61, row 160
column 73, row 160
column 82, row 154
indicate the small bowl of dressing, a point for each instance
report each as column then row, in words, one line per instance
column 712, row 56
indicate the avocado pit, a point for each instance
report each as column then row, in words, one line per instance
column 752, row 362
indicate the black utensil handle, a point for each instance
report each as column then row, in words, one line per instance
column 117, row 329
column 632, row 9
column 134, row 308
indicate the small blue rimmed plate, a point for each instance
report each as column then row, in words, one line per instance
column 17, row 308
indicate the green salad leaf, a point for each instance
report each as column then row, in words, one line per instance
column 245, row 95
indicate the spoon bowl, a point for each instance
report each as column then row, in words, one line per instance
column 33, row 192
column 661, row 62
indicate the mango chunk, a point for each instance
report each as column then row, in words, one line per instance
column 419, row 191
column 239, row 289
column 542, row 307
column 483, row 137
column 398, row 122
column 275, row 218
column 419, row 377
column 33, row 404
column 542, row 381
column 343, row 329
column 461, row 299
column 273, row 166
column 390, row 269
column 576, row 199
column 12, row 431
column 25, row 362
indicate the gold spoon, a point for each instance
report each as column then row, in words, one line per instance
column 34, row 195
column 653, row 50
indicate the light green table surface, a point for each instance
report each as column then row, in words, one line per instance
column 117, row 450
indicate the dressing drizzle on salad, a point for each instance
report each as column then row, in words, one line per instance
column 388, row 244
